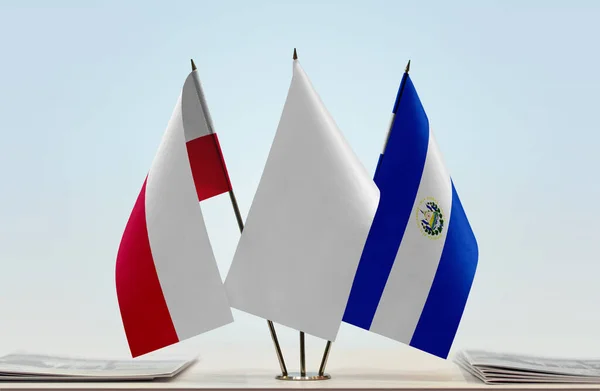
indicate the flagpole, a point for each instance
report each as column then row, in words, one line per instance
column 324, row 359
column 302, row 356
column 236, row 210
column 401, row 90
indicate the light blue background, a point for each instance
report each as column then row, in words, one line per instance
column 511, row 89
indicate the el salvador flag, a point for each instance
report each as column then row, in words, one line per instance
column 420, row 257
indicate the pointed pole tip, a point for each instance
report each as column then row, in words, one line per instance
column 193, row 65
column 407, row 67
column 295, row 57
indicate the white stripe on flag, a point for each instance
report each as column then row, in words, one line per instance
column 195, row 120
column 418, row 257
column 181, row 249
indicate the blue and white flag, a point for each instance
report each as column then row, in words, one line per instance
column 419, row 261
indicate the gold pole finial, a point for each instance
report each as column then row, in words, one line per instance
column 407, row 67
column 193, row 65
column 295, row 57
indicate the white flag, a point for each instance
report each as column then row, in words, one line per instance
column 307, row 225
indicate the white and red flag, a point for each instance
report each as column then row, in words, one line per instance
column 168, row 283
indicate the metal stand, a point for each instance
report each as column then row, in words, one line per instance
column 324, row 359
column 303, row 375
column 284, row 371
column 308, row 376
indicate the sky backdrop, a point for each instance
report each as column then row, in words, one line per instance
column 511, row 89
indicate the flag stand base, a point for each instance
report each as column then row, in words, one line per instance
column 309, row 376
column 303, row 375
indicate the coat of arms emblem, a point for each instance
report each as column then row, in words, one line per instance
column 430, row 218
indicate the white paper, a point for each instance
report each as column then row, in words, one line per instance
column 493, row 368
column 25, row 366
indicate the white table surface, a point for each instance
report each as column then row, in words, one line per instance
column 399, row 368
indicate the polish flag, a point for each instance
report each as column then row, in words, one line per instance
column 168, row 284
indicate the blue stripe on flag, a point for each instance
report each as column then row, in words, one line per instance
column 447, row 298
column 378, row 162
column 398, row 177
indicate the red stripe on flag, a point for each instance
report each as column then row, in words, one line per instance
column 146, row 318
column 208, row 166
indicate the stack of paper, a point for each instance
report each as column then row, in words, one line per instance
column 28, row 367
column 497, row 368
